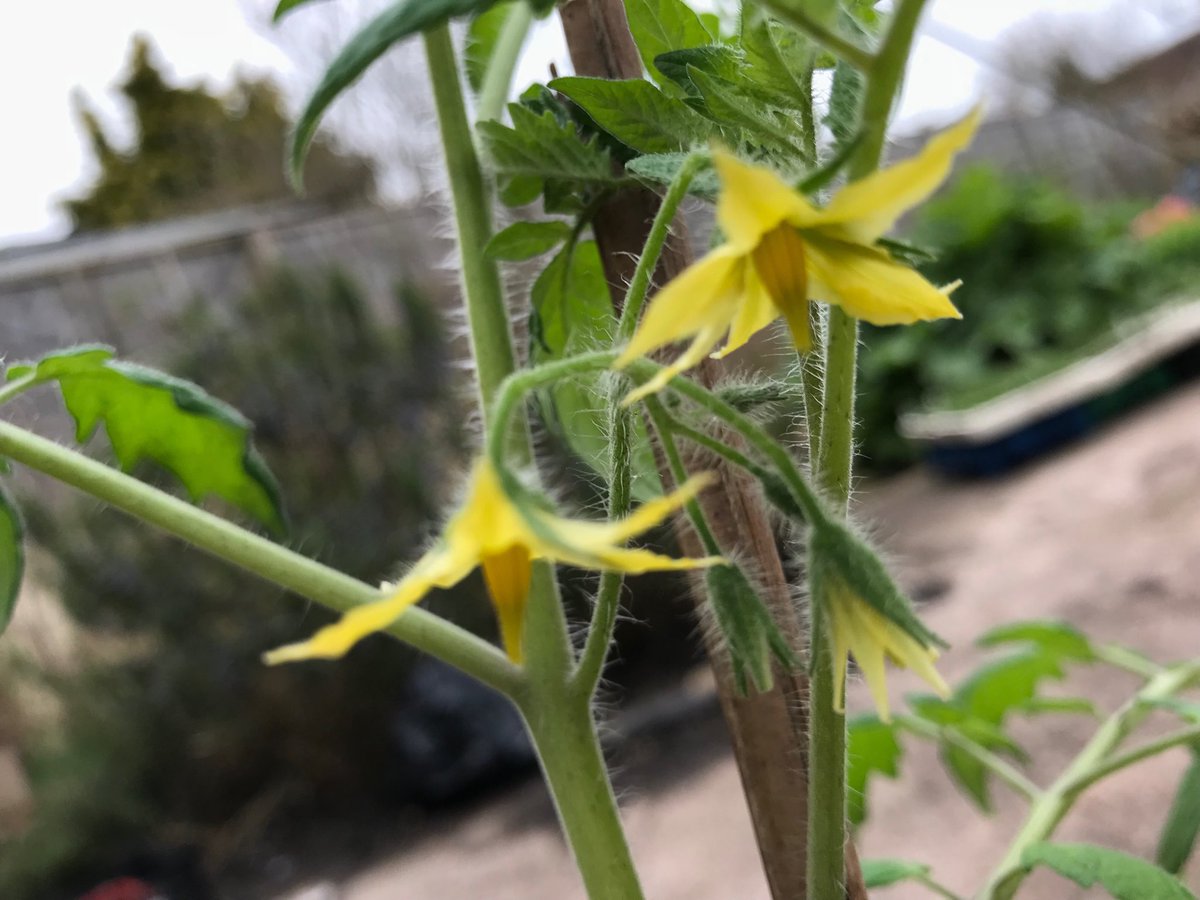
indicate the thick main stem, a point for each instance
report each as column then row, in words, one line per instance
column 827, row 749
column 559, row 720
column 564, row 734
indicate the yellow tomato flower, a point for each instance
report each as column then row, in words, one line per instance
column 780, row 252
column 489, row 531
column 856, row 627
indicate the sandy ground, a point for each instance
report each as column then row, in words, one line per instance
column 1106, row 535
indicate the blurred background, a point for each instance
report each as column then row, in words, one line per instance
column 1014, row 459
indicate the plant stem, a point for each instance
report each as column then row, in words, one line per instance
column 1122, row 658
column 487, row 316
column 662, row 425
column 548, row 646
column 18, row 386
column 827, row 728
column 836, row 44
column 997, row 766
column 256, row 554
column 497, row 78
column 1150, row 748
column 639, row 284
column 561, row 726
column 1056, row 801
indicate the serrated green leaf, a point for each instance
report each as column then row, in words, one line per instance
column 727, row 105
column 286, row 6
column 1057, row 639
column 1178, row 836
column 394, row 24
column 525, row 240
column 660, row 26
column 637, row 113
column 1124, row 877
column 149, row 415
column 776, row 57
column 878, row 873
column 482, row 35
column 12, row 557
column 724, row 63
column 542, row 147
column 520, row 190
column 871, row 747
column 1000, row 686
column 661, row 168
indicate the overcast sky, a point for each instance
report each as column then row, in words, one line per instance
column 53, row 48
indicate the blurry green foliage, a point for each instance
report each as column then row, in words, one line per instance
column 1045, row 275
column 179, row 723
column 195, row 151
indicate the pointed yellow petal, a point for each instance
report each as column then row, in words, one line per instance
column 507, row 576
column 435, row 569
column 870, row 207
column 654, row 511
column 635, row 561
column 701, row 298
column 754, row 200
column 863, row 637
column 755, row 312
column 870, row 285
column 694, row 354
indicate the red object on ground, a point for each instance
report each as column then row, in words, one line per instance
column 1169, row 210
column 122, row 889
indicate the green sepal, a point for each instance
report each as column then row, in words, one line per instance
column 149, row 415
column 836, row 554
column 751, row 635
column 12, row 557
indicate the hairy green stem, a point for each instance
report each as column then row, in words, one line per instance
column 827, row 727
column 839, row 46
column 497, row 78
column 1096, row 757
column 639, row 284
column 989, row 760
column 559, row 720
column 17, row 386
column 564, row 732
column 662, row 425
column 1188, row 735
column 257, row 555
column 1126, row 659
column 487, row 316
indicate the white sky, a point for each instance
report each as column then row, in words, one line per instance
column 50, row 49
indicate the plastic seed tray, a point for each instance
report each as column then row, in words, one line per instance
column 1160, row 352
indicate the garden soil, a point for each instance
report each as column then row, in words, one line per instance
column 1105, row 534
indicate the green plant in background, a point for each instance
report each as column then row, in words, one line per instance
column 577, row 144
column 1046, row 279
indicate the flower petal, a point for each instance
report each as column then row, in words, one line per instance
column 754, row 200
column 755, row 312
column 695, row 353
column 702, row 297
column 507, row 576
column 870, row 207
column 870, row 285
column 436, row 569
